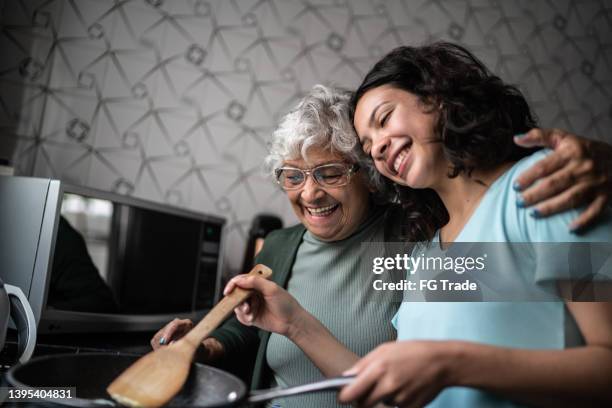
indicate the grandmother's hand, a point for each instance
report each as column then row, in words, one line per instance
column 210, row 349
column 403, row 374
column 578, row 172
column 271, row 307
column 171, row 332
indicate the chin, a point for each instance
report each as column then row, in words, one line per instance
column 403, row 182
column 416, row 185
column 417, row 181
column 323, row 236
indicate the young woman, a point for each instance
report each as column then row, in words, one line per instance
column 434, row 117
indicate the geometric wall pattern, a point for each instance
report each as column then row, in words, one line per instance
column 174, row 101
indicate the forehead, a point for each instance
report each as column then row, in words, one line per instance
column 374, row 99
column 316, row 156
column 375, row 95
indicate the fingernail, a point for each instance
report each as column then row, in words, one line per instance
column 535, row 213
column 520, row 135
column 516, row 186
column 162, row 341
column 520, row 202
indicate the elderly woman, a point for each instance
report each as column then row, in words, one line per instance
column 315, row 159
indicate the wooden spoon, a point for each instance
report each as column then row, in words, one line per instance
column 158, row 376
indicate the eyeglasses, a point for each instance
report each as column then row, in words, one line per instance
column 327, row 175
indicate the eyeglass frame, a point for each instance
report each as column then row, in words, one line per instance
column 352, row 169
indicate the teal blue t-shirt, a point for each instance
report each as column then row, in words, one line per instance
column 529, row 325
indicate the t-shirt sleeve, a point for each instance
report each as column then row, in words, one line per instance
column 563, row 255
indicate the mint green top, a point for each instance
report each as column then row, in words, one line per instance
column 530, row 325
column 325, row 281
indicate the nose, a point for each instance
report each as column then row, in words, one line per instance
column 311, row 190
column 380, row 148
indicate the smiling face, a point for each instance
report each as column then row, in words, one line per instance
column 331, row 214
column 398, row 131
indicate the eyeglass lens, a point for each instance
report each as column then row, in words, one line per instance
column 333, row 175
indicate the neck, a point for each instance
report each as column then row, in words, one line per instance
column 462, row 194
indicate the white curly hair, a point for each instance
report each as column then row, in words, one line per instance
column 321, row 119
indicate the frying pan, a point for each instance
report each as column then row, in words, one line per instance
column 90, row 374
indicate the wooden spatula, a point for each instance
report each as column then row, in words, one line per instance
column 158, row 376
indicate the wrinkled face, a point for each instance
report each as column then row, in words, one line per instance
column 397, row 130
column 331, row 214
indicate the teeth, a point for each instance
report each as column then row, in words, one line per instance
column 322, row 210
column 398, row 160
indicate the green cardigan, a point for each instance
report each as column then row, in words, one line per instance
column 245, row 347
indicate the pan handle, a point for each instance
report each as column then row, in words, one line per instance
column 323, row 385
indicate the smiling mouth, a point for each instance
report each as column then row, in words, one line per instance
column 322, row 211
column 400, row 158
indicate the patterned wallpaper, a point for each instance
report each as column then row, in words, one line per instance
column 175, row 100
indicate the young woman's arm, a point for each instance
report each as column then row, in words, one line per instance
column 274, row 309
column 412, row 373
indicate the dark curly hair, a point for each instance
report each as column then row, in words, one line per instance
column 478, row 116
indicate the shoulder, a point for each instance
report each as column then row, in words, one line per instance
column 510, row 176
column 278, row 252
column 554, row 228
column 284, row 234
column 282, row 240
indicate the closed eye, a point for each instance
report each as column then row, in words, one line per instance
column 384, row 118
